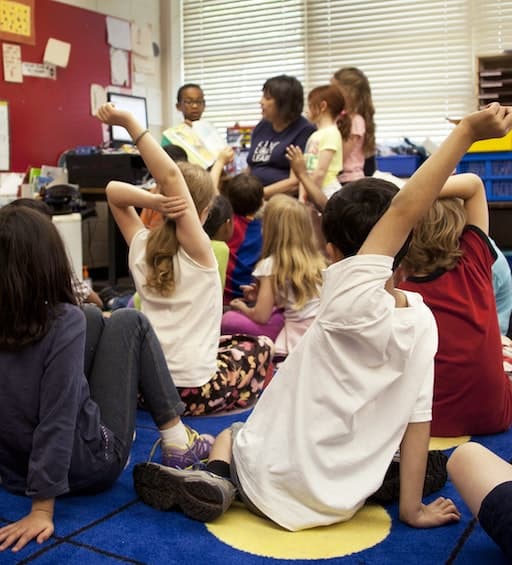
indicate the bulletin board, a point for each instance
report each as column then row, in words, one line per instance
column 48, row 116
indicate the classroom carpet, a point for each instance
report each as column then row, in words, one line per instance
column 115, row 527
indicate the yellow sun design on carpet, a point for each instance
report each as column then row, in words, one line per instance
column 447, row 442
column 245, row 531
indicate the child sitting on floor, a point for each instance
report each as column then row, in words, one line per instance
column 69, row 382
column 219, row 227
column 450, row 264
column 324, row 432
column 176, row 276
column 288, row 276
column 245, row 192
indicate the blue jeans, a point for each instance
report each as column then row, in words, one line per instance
column 123, row 355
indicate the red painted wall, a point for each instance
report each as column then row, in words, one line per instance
column 49, row 116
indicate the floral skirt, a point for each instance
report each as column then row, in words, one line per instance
column 244, row 368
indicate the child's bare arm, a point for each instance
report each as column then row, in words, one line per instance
column 262, row 310
column 471, row 190
column 123, row 198
column 170, row 180
column 418, row 194
column 413, row 462
column 224, row 157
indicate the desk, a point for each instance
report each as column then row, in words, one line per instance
column 117, row 248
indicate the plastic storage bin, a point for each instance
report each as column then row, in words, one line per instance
column 399, row 165
column 495, row 169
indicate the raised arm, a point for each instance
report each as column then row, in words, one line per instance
column 469, row 188
column 168, row 176
column 418, row 194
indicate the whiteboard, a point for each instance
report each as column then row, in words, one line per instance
column 4, row 135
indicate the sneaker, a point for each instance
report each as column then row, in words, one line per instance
column 435, row 479
column 200, row 495
column 198, row 449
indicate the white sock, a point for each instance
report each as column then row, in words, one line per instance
column 177, row 435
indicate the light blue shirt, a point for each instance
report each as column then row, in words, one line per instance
column 502, row 283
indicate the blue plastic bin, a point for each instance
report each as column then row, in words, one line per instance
column 495, row 169
column 399, row 165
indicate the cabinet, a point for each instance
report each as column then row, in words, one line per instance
column 495, row 79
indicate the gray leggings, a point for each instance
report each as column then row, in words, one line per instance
column 123, row 354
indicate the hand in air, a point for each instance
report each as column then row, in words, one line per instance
column 36, row 525
column 296, row 157
column 109, row 114
column 171, row 206
column 438, row 513
column 226, row 154
column 492, row 121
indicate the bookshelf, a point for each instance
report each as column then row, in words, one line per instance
column 495, row 79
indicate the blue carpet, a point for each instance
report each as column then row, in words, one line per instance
column 114, row 527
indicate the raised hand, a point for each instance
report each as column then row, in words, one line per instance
column 492, row 121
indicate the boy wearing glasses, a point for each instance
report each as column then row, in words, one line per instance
column 197, row 137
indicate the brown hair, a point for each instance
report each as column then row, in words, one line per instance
column 355, row 87
column 162, row 244
column 329, row 94
column 435, row 241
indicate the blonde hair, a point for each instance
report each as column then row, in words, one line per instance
column 162, row 244
column 355, row 87
column 435, row 241
column 288, row 237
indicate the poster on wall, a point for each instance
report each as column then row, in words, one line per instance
column 4, row 135
column 17, row 21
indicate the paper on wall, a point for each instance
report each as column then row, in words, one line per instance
column 143, row 64
column 12, row 62
column 57, row 52
column 142, row 43
column 98, row 97
column 118, row 33
column 119, row 67
column 39, row 70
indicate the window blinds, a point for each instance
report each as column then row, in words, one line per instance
column 419, row 55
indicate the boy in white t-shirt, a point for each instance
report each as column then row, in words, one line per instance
column 356, row 388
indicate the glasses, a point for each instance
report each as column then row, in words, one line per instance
column 189, row 102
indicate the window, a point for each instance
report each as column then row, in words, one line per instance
column 419, row 55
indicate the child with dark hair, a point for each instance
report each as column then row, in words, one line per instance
column 69, row 382
column 82, row 291
column 245, row 192
column 450, row 263
column 219, row 227
column 359, row 386
column 202, row 144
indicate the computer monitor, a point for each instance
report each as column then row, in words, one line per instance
column 134, row 104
